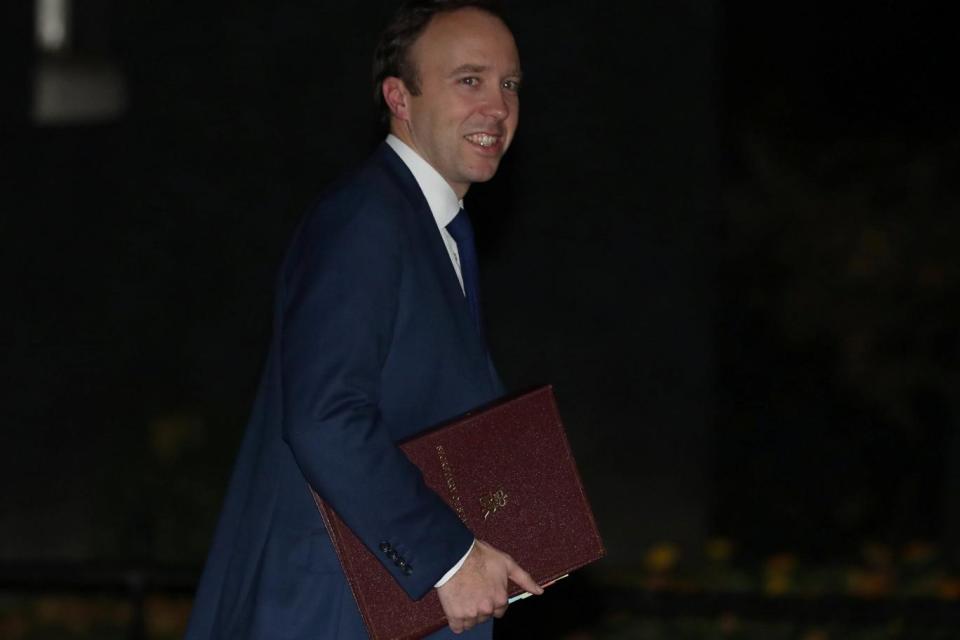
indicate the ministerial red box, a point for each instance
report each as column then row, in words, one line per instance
column 508, row 472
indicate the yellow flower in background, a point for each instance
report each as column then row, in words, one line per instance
column 869, row 584
column 776, row 584
column 781, row 563
column 877, row 555
column 778, row 574
column 76, row 615
column 662, row 557
column 919, row 552
column 48, row 610
column 62, row 616
column 167, row 616
column 949, row 588
column 719, row 549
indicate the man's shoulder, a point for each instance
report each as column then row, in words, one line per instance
column 382, row 181
column 375, row 202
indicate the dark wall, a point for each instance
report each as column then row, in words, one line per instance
column 601, row 279
column 837, row 339
column 145, row 250
column 725, row 233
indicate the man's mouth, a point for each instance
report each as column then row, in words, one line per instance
column 484, row 140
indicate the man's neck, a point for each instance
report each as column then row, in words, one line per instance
column 402, row 132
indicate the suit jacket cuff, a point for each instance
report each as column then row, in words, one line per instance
column 449, row 574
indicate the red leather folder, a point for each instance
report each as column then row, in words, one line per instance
column 508, row 472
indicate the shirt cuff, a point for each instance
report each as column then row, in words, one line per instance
column 449, row 574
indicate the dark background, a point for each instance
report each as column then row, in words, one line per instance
column 724, row 233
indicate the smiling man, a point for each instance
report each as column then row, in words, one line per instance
column 377, row 336
column 456, row 100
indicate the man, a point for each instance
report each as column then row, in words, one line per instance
column 377, row 336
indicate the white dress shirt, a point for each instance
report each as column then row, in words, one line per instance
column 444, row 205
column 443, row 202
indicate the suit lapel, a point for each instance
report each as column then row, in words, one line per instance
column 432, row 242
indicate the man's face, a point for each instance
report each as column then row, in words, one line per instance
column 466, row 114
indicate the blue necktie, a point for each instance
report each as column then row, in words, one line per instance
column 462, row 231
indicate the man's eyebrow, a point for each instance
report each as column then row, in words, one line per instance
column 480, row 68
column 469, row 68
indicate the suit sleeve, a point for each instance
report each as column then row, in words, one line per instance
column 341, row 296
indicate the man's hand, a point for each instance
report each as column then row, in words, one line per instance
column 478, row 589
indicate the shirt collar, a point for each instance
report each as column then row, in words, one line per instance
column 443, row 202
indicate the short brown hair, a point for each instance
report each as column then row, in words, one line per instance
column 391, row 58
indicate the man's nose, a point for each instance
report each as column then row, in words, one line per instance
column 496, row 104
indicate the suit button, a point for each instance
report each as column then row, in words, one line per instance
column 393, row 555
column 402, row 563
column 385, row 547
column 407, row 570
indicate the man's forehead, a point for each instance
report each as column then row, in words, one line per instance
column 467, row 36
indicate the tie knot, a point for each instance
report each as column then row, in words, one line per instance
column 460, row 228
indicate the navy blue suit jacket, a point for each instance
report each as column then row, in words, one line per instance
column 372, row 343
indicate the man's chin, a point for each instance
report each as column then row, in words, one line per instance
column 483, row 173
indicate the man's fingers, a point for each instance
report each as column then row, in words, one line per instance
column 522, row 578
column 478, row 591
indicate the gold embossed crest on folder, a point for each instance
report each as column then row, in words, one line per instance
column 492, row 502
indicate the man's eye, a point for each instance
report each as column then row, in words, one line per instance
column 511, row 85
column 470, row 81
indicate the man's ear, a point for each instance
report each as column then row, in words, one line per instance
column 397, row 97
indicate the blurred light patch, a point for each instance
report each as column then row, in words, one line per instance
column 70, row 91
column 52, row 25
column 70, row 88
